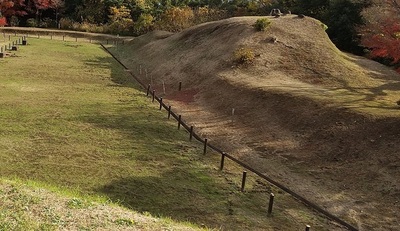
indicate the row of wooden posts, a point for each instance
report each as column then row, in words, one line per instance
column 205, row 143
column 12, row 46
column 224, row 154
column 107, row 41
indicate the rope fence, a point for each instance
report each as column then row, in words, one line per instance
column 12, row 45
column 225, row 155
column 67, row 37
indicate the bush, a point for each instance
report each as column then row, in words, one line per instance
column 3, row 21
column 69, row 24
column 121, row 27
column 31, row 22
column 244, row 55
column 14, row 21
column 262, row 24
column 176, row 19
column 47, row 23
column 66, row 23
column 324, row 26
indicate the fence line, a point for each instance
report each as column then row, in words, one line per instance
column 244, row 165
column 74, row 37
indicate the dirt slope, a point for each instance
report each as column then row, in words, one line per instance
column 323, row 122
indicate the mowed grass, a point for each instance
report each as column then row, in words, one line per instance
column 72, row 119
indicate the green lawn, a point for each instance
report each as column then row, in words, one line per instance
column 71, row 118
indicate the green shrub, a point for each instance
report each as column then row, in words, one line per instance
column 31, row 22
column 47, row 23
column 121, row 27
column 262, row 24
column 14, row 21
column 244, row 55
column 324, row 26
column 66, row 23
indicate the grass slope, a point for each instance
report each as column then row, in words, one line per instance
column 323, row 122
column 29, row 206
column 70, row 118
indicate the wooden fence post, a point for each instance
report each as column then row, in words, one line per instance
column 308, row 228
column 180, row 86
column 191, row 133
column 271, row 203
column 243, row 181
column 221, row 167
column 148, row 90
column 160, row 103
column 205, row 146
column 179, row 121
column 169, row 112
column 154, row 95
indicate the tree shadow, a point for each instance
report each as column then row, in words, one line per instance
column 165, row 182
column 377, row 70
column 119, row 75
column 180, row 193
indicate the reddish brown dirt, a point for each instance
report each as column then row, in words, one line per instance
column 167, row 92
column 184, row 96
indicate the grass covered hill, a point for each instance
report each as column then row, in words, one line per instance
column 321, row 121
column 77, row 137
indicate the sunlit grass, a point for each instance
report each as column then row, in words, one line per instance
column 71, row 118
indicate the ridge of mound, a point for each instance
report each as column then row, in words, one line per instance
column 318, row 120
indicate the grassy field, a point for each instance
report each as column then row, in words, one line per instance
column 71, row 120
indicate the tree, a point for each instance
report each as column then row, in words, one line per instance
column 176, row 18
column 38, row 6
column 343, row 17
column 313, row 8
column 382, row 32
column 9, row 8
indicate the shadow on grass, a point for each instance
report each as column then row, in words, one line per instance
column 166, row 181
column 179, row 193
column 119, row 75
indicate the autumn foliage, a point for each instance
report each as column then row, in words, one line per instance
column 381, row 35
column 386, row 43
column 11, row 7
column 3, row 21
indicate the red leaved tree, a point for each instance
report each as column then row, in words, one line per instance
column 38, row 6
column 385, row 42
column 9, row 8
column 3, row 21
column 382, row 31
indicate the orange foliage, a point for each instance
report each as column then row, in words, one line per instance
column 385, row 44
column 3, row 21
column 6, row 4
column 382, row 32
column 177, row 18
column 11, row 7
